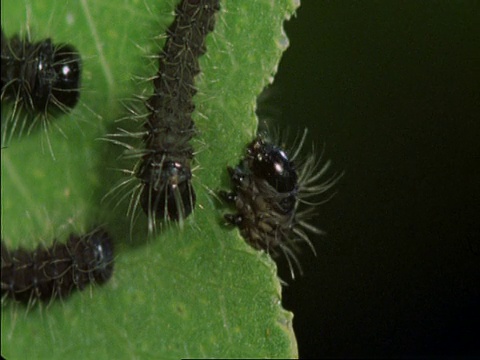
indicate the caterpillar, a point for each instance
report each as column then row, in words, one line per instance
column 164, row 168
column 271, row 193
column 41, row 78
column 48, row 273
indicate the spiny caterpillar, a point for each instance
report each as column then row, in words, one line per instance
column 48, row 273
column 269, row 187
column 164, row 170
column 165, row 167
column 41, row 77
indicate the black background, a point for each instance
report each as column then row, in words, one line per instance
column 392, row 89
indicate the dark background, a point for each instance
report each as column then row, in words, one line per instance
column 392, row 88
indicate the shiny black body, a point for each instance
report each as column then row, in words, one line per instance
column 41, row 77
column 265, row 194
column 49, row 273
column 165, row 169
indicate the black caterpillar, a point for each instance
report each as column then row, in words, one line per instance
column 49, row 273
column 268, row 189
column 164, row 169
column 40, row 77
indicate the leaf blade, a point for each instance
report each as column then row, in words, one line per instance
column 197, row 291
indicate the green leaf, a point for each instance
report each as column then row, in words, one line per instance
column 192, row 291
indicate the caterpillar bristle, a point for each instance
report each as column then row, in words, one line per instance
column 164, row 167
column 46, row 274
column 271, row 192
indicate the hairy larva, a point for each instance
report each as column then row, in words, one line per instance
column 164, row 168
column 40, row 79
column 271, row 193
column 49, row 273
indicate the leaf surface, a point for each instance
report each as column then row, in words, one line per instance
column 192, row 291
